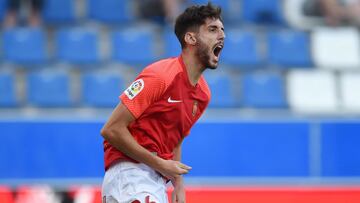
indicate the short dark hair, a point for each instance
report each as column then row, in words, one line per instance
column 193, row 17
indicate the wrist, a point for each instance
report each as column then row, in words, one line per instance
column 178, row 182
column 157, row 163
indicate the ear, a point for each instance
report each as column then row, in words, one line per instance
column 190, row 38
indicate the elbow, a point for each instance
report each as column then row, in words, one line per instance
column 105, row 133
column 113, row 131
column 110, row 133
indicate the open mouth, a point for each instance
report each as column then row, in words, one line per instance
column 217, row 49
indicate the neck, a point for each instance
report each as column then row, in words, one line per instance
column 193, row 67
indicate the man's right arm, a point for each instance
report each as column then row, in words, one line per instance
column 116, row 132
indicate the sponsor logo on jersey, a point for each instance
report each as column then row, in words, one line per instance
column 135, row 88
column 173, row 101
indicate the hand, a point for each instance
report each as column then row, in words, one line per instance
column 173, row 169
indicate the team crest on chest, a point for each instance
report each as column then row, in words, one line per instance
column 135, row 88
column 195, row 108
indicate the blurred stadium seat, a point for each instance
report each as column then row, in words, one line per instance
column 8, row 97
column 59, row 11
column 312, row 91
column 224, row 4
column 297, row 18
column 101, row 89
column 26, row 46
column 289, row 48
column 6, row 195
column 39, row 193
column 78, row 46
column 230, row 9
column 133, row 46
column 49, row 89
column 350, row 91
column 241, row 49
column 222, row 90
column 90, row 193
column 263, row 90
column 172, row 45
column 263, row 11
column 110, row 11
column 336, row 48
column 2, row 9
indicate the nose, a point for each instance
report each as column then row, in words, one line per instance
column 222, row 35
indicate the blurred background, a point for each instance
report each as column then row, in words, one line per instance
column 283, row 124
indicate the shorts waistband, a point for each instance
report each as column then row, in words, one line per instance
column 123, row 164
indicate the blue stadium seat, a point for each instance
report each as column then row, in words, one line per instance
column 101, row 89
column 222, row 3
column 110, row 11
column 59, row 11
column 263, row 90
column 222, row 91
column 48, row 89
column 3, row 9
column 133, row 46
column 8, row 96
column 230, row 9
column 262, row 11
column 172, row 44
column 78, row 46
column 289, row 48
column 24, row 46
column 241, row 49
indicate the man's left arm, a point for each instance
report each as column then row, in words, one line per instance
column 178, row 195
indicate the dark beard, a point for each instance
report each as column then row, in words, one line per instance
column 202, row 54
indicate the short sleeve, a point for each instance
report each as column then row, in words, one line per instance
column 147, row 88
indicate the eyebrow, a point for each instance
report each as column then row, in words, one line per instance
column 215, row 26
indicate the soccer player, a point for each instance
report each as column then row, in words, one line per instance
column 144, row 133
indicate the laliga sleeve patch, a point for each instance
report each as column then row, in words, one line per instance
column 135, row 88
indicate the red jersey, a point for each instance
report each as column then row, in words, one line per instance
column 165, row 106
